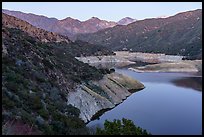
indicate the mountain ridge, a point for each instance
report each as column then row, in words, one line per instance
column 12, row 22
column 126, row 21
column 175, row 35
column 67, row 26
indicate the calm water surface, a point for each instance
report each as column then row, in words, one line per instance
column 171, row 103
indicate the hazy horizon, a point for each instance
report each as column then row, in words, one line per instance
column 102, row 10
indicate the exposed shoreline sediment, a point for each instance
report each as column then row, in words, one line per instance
column 115, row 88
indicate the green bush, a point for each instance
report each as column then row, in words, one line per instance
column 35, row 102
column 97, row 89
column 7, row 103
column 12, row 85
column 27, row 117
column 73, row 110
column 47, row 129
column 43, row 113
column 47, row 63
column 117, row 127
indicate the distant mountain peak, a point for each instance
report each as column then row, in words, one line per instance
column 128, row 18
column 126, row 21
column 162, row 16
column 69, row 19
column 93, row 19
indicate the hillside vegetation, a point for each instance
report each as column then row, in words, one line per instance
column 180, row 34
column 37, row 75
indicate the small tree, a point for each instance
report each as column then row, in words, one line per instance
column 126, row 127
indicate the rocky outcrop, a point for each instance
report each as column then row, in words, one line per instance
column 106, row 93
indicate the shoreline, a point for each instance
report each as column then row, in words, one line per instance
column 193, row 66
column 114, row 89
column 102, row 111
column 163, row 71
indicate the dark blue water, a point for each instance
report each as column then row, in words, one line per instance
column 170, row 104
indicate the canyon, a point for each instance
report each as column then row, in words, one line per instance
column 58, row 74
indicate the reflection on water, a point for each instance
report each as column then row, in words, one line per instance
column 189, row 82
column 170, row 104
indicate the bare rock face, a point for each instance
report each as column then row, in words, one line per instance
column 98, row 95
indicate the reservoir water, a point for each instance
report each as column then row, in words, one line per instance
column 170, row 104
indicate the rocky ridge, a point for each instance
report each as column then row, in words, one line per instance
column 114, row 89
column 42, row 35
column 68, row 26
